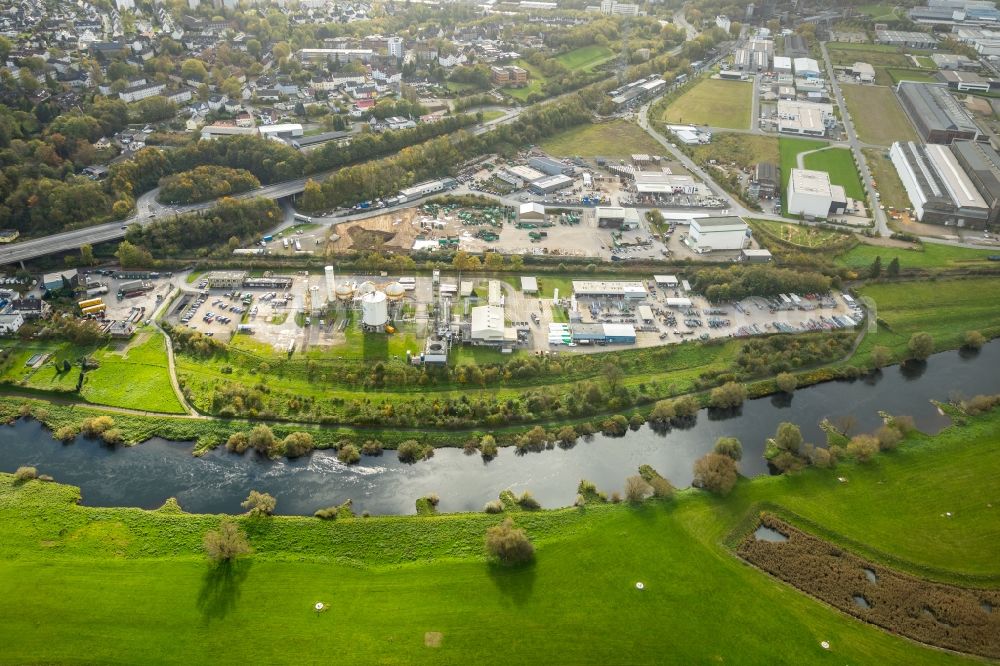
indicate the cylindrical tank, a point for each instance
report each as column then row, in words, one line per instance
column 374, row 309
column 345, row 291
column 395, row 291
column 331, row 286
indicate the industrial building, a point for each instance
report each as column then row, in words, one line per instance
column 811, row 194
column 806, row 67
column 531, row 212
column 609, row 289
column 661, row 183
column 937, row 116
column 488, row 328
column 614, row 217
column 939, row 190
column 902, row 38
column 529, row 285
column 425, row 188
column 551, row 167
column 985, row 42
column 766, row 181
column 551, row 184
column 337, row 55
column 519, row 175
column 864, row 72
column 708, row 234
column 968, row 81
column 638, row 91
column 283, row 130
column 226, row 279
column 782, row 65
column 981, row 163
column 805, row 118
column 751, row 256
column 60, row 279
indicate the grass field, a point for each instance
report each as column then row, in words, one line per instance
column 839, row 163
column 491, row 115
column 931, row 255
column 917, row 75
column 745, row 150
column 137, row 378
column 889, row 185
column 48, row 377
column 877, row 115
column 801, row 235
column 926, row 62
column 715, row 103
column 945, row 308
column 616, row 139
column 585, row 57
column 119, row 585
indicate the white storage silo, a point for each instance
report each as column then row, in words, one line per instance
column 331, row 285
column 374, row 310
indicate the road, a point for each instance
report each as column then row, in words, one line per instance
column 148, row 210
column 881, row 222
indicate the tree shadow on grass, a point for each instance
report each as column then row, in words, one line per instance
column 516, row 582
column 220, row 589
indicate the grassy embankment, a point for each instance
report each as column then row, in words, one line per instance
column 122, row 584
column 944, row 308
column 615, row 139
column 585, row 58
column 713, row 102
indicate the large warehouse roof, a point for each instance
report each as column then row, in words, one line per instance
column 961, row 189
column 935, row 107
column 608, row 288
column 982, row 163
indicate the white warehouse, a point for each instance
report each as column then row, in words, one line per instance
column 717, row 233
column 811, row 194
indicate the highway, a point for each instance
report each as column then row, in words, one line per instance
column 149, row 210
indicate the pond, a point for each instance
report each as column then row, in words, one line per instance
column 146, row 475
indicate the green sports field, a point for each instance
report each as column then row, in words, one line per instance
column 128, row 586
column 713, row 102
column 585, row 57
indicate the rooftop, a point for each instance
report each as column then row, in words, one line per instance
column 807, row 181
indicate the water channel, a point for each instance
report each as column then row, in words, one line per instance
column 145, row 475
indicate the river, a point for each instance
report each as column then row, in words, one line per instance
column 146, row 475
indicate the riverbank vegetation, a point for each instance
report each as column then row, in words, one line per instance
column 62, row 561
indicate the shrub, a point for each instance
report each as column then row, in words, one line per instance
column 637, row 489
column 262, row 439
column 819, row 457
column 113, row 436
column 662, row 412
column 25, row 473
column 921, row 345
column 95, row 425
column 527, row 502
column 980, row 404
column 297, row 444
column 661, row 487
column 567, row 435
column 881, row 356
column 494, row 506
column 509, row 544
column 786, row 382
column 259, row 504
column 686, row 407
column 788, row 437
column 888, row 437
column 974, row 340
column 329, row 513
column 238, row 442
column 636, row 421
column 371, row 447
column 66, row 433
column 348, row 454
column 226, row 543
column 616, row 497
column 729, row 446
column 728, row 396
column 715, row 473
column 904, row 424
column 488, row 447
column 863, row 447
column 615, row 426
column 411, row 451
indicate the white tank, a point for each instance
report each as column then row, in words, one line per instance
column 374, row 309
column 366, row 287
column 345, row 291
column 331, row 286
column 395, row 291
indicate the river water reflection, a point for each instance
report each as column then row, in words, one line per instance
column 145, row 475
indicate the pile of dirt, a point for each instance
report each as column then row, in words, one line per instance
column 961, row 619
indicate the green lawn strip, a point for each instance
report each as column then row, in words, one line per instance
column 713, row 102
column 492, row 115
column 918, row 75
column 616, row 139
column 136, row 578
column 139, row 378
column 839, row 163
column 585, row 57
column 946, row 309
column 877, row 115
